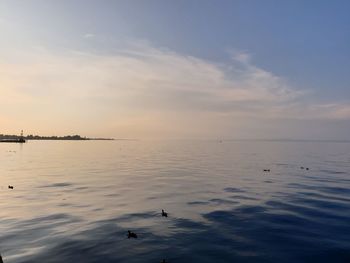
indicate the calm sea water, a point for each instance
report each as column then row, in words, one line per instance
column 74, row 201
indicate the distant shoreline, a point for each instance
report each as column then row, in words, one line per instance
column 5, row 138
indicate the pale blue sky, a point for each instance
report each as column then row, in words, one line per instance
column 299, row 50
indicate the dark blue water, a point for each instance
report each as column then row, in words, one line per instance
column 75, row 201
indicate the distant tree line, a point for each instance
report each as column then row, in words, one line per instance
column 67, row 137
column 37, row 137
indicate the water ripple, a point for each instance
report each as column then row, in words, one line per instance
column 75, row 202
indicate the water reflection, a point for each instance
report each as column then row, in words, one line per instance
column 76, row 201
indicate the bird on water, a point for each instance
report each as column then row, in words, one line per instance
column 164, row 213
column 10, row 187
column 130, row 235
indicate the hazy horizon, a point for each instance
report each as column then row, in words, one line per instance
column 176, row 69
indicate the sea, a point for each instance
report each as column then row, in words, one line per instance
column 74, row 201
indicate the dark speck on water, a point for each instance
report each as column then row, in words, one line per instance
column 131, row 234
column 222, row 209
column 165, row 214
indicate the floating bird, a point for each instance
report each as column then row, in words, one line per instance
column 301, row 167
column 10, row 187
column 164, row 213
column 266, row 170
column 307, row 168
column 131, row 234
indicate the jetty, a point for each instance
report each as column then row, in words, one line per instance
column 14, row 139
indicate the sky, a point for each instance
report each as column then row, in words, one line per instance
column 202, row 69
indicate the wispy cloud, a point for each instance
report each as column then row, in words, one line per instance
column 144, row 85
column 89, row 35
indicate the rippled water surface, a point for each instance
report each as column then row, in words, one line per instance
column 74, row 201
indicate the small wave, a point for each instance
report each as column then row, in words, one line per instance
column 64, row 184
column 243, row 197
column 332, row 172
column 198, row 203
column 222, row 201
column 234, row 190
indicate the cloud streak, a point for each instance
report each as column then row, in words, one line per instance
column 142, row 87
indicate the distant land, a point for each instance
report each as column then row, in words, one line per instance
column 59, row 138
